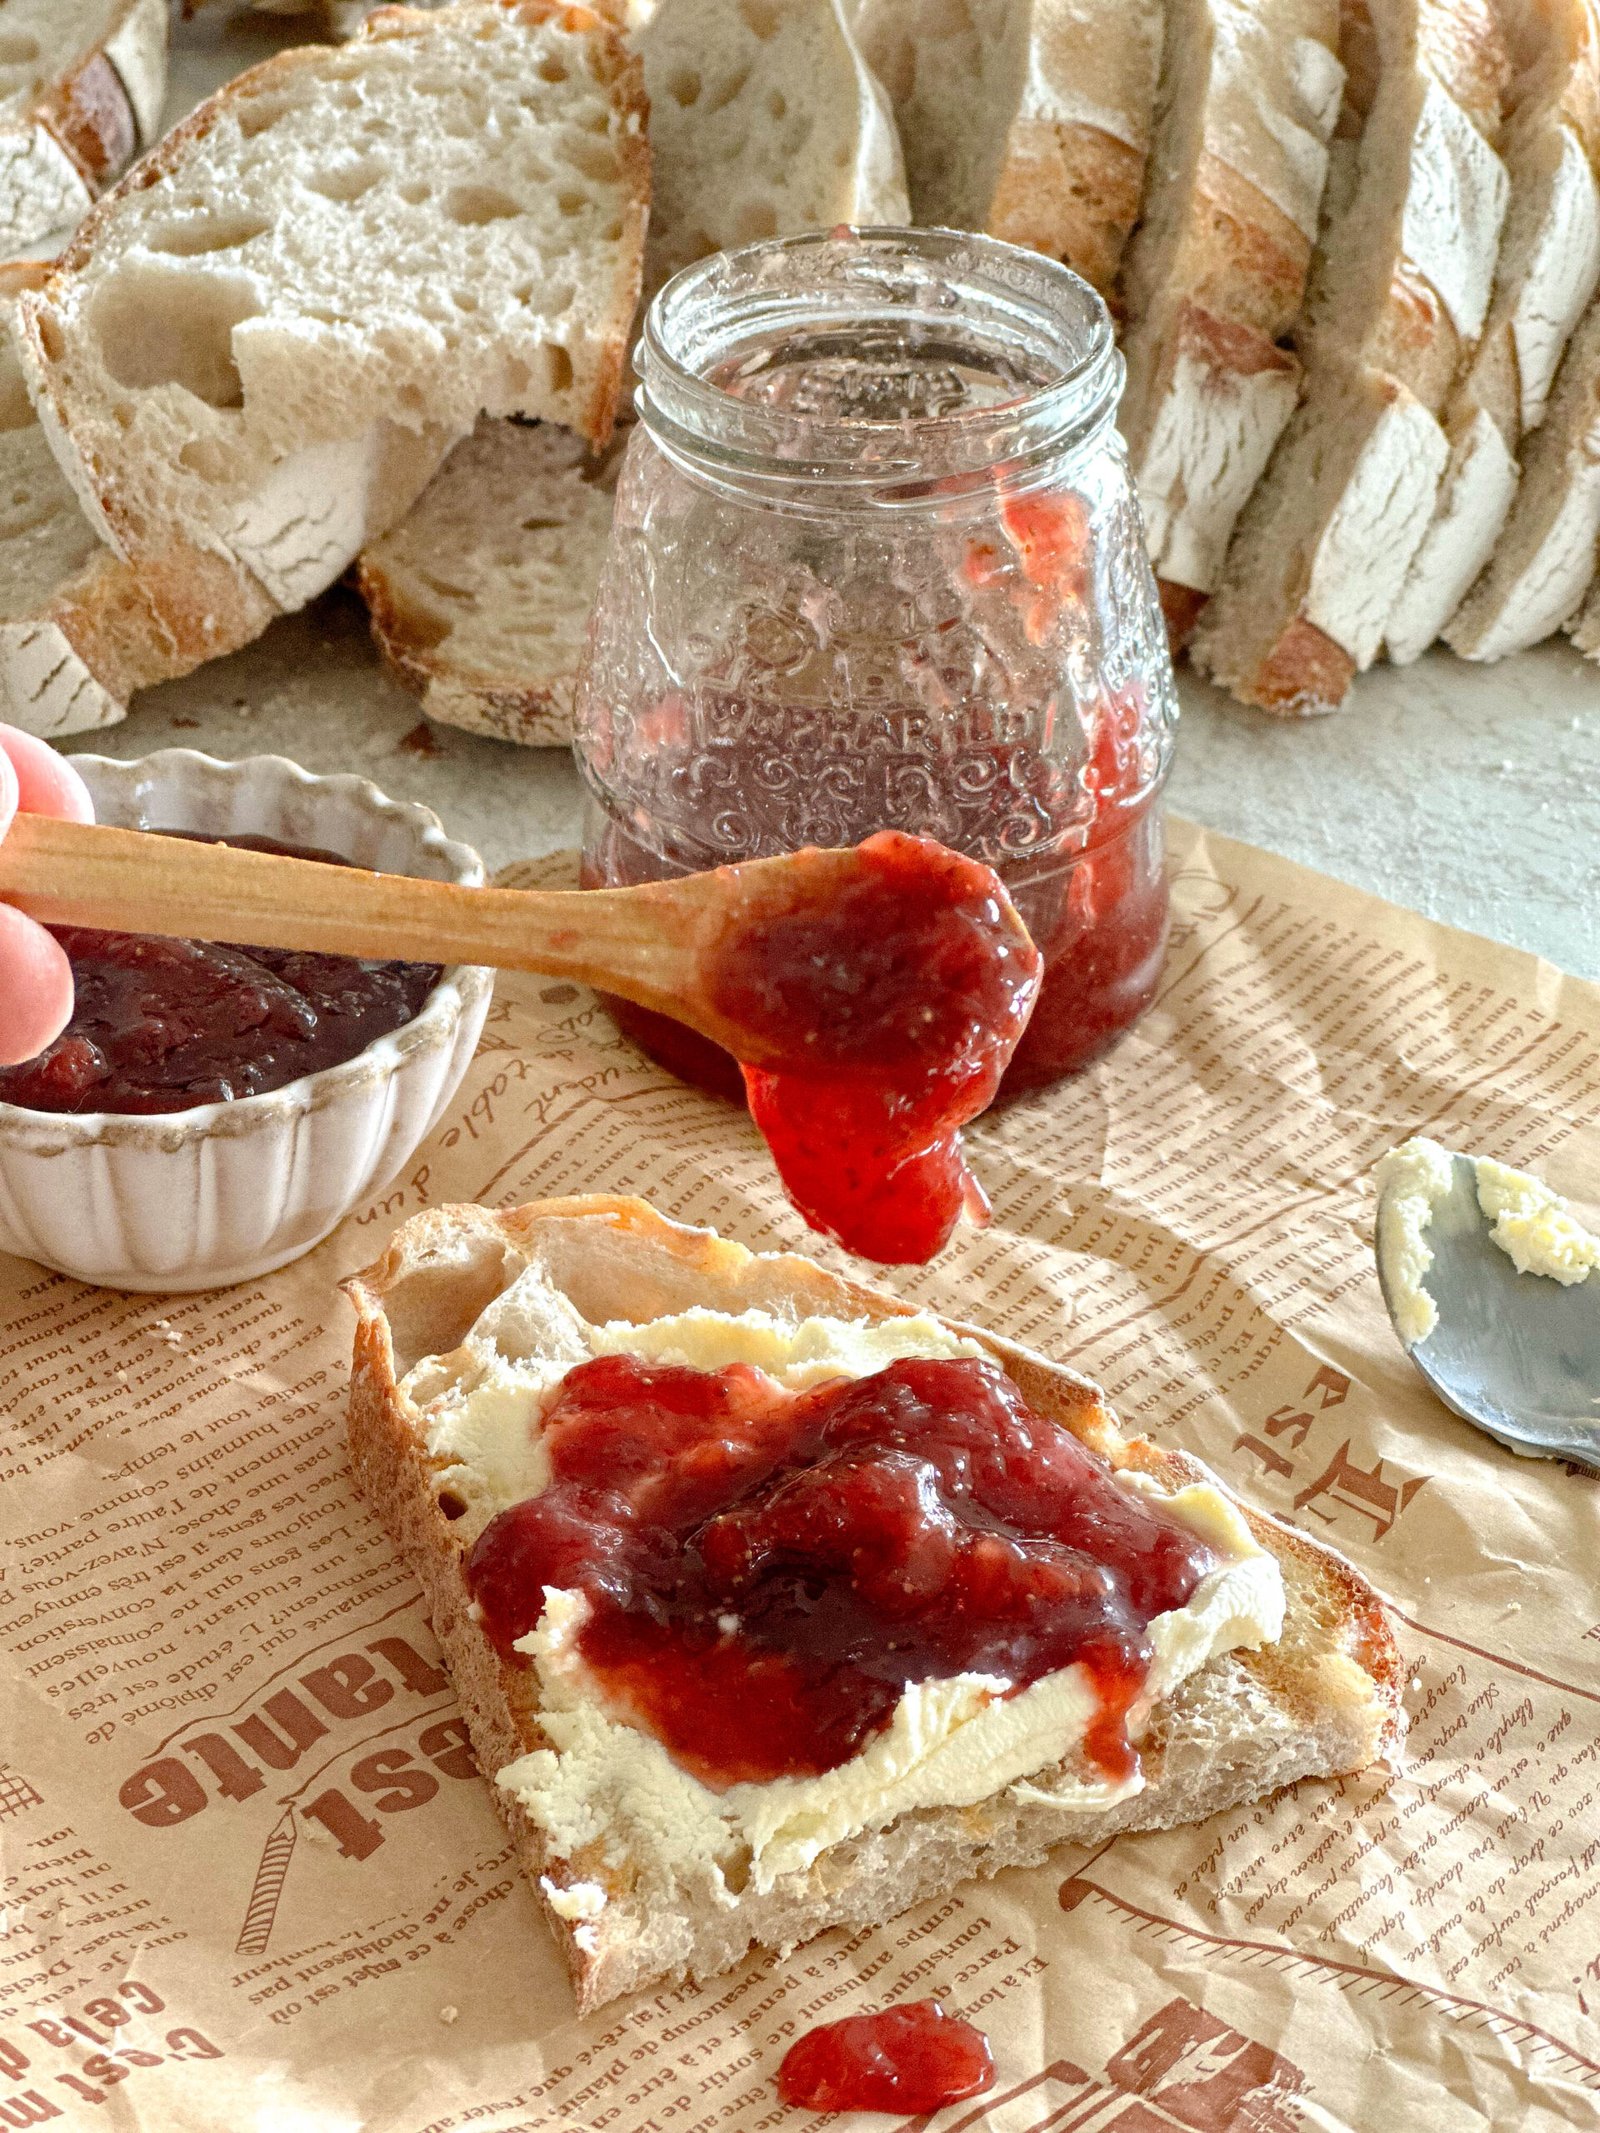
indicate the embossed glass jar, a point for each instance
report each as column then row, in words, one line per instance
column 877, row 564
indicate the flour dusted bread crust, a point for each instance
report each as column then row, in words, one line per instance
column 1028, row 119
column 1400, row 290
column 764, row 121
column 262, row 344
column 1322, row 1701
column 480, row 597
column 81, row 84
column 79, row 630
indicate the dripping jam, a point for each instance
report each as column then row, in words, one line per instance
column 766, row 1572
column 890, row 1011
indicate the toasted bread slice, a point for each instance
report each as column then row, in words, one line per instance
column 1323, row 1700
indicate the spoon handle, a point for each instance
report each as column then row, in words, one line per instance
column 637, row 941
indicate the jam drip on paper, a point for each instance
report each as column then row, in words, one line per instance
column 161, row 1025
column 892, row 1009
column 767, row 1571
column 909, row 2059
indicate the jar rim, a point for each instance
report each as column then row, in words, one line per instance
column 997, row 298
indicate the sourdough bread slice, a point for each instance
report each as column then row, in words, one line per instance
column 1548, row 270
column 1029, row 119
column 480, row 597
column 764, row 121
column 1545, row 558
column 79, row 630
column 1400, row 289
column 1323, row 1700
column 261, row 346
column 81, row 85
column 1216, row 275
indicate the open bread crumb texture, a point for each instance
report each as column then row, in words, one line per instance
column 763, row 120
column 442, row 218
column 480, row 597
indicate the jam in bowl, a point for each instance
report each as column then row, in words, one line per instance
column 877, row 564
column 162, row 1025
column 161, row 1168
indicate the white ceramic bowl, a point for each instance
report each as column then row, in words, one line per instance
column 201, row 1198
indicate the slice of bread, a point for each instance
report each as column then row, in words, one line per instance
column 343, row 18
column 1029, row 119
column 81, row 86
column 1400, row 289
column 764, row 121
column 1548, row 270
column 1542, row 565
column 1323, row 1700
column 1216, row 274
column 79, row 630
column 261, row 346
column 480, row 597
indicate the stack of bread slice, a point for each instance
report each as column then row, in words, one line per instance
column 1547, row 275
column 81, row 88
column 259, row 350
column 1400, row 294
column 1029, row 119
column 1216, row 276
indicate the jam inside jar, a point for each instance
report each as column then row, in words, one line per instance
column 877, row 564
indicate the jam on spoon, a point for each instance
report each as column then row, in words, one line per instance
column 910, row 2059
column 889, row 1010
column 161, row 1025
column 767, row 1571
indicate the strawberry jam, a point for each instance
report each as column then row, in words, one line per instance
column 161, row 1025
column 908, row 2059
column 890, row 1011
column 766, row 1572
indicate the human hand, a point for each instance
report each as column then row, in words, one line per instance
column 35, row 976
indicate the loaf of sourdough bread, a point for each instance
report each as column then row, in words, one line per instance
column 1321, row 1701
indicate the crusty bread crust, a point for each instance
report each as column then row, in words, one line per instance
column 1325, row 1700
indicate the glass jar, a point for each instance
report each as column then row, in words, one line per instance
column 876, row 563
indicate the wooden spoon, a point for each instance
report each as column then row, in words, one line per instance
column 648, row 943
column 652, row 944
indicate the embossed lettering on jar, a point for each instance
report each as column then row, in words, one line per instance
column 877, row 564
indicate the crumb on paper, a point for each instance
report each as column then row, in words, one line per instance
column 447, row 2015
